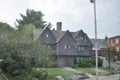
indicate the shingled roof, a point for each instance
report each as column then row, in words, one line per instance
column 101, row 43
column 57, row 34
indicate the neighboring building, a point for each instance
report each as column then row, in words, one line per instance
column 114, row 42
column 68, row 45
column 101, row 46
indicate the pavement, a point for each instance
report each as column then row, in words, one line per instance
column 110, row 77
column 92, row 77
column 1, row 78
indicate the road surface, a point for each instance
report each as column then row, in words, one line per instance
column 111, row 77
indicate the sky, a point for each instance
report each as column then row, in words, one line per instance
column 74, row 14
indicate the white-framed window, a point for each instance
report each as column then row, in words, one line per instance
column 80, row 48
column 81, row 38
column 117, row 49
column 47, row 35
column 116, row 40
column 67, row 47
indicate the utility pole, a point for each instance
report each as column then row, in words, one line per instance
column 96, row 46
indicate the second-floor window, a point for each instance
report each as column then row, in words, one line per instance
column 81, row 38
column 80, row 48
column 116, row 40
column 47, row 35
column 67, row 47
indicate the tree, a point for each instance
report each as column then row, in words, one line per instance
column 109, row 51
column 32, row 17
column 5, row 31
column 25, row 34
column 21, row 55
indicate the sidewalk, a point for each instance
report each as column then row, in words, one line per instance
column 111, row 77
column 74, row 70
column 92, row 77
column 1, row 78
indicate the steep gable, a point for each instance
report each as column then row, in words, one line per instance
column 67, row 35
column 47, row 37
column 82, row 38
column 101, row 43
column 66, row 45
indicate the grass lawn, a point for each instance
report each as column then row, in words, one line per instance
column 112, row 71
column 52, row 72
column 57, row 71
column 86, row 70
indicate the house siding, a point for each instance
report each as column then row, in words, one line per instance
column 69, row 41
column 84, row 42
column 65, row 61
column 66, row 45
column 47, row 37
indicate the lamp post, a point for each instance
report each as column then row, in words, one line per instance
column 118, row 62
column 0, row 62
column 96, row 47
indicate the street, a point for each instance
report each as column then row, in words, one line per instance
column 111, row 77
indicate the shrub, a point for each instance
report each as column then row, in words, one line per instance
column 88, row 62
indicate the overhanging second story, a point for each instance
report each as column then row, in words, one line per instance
column 64, row 42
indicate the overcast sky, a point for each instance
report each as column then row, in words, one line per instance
column 74, row 14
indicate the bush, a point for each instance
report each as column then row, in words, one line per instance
column 88, row 62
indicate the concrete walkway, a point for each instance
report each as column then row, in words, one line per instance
column 92, row 77
column 76, row 71
column 111, row 77
column 1, row 78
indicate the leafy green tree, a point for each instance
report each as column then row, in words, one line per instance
column 5, row 31
column 22, row 56
column 25, row 34
column 32, row 17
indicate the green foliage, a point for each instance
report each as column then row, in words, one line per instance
column 21, row 54
column 89, row 70
column 24, row 56
column 111, row 71
column 88, row 62
column 25, row 34
column 109, row 55
column 5, row 31
column 32, row 17
column 52, row 72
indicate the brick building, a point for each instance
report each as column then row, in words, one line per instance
column 114, row 42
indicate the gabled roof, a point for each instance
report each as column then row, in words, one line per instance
column 81, row 33
column 58, row 34
column 63, row 35
column 101, row 43
column 37, row 32
column 115, row 37
column 78, row 32
column 89, row 39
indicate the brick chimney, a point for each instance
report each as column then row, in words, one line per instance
column 59, row 26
